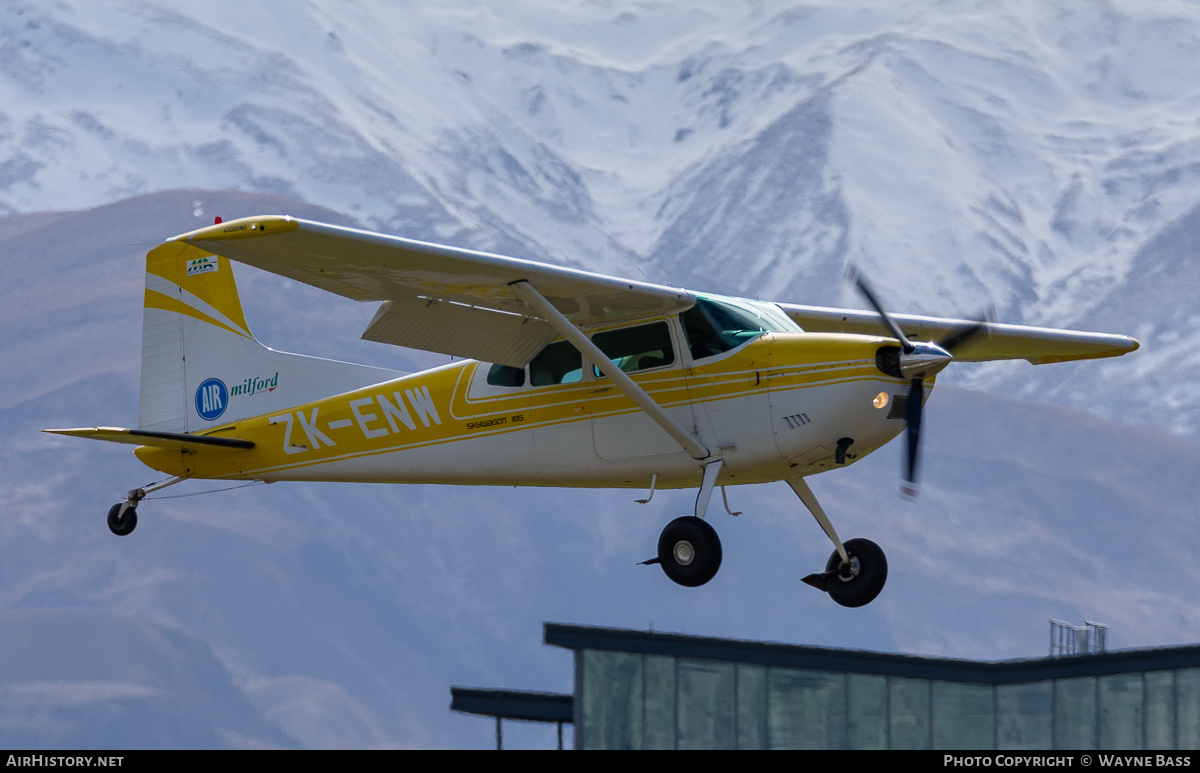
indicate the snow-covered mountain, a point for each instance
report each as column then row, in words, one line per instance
column 1035, row 155
column 1038, row 155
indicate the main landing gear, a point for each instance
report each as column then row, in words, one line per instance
column 689, row 550
column 122, row 517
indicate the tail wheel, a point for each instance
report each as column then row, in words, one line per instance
column 859, row 582
column 121, row 524
column 689, row 551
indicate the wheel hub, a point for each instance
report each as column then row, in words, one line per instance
column 684, row 552
column 848, row 571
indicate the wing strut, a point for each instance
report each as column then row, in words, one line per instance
column 563, row 326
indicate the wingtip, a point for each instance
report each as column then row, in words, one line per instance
column 240, row 228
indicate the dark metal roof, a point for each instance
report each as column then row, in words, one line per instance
column 578, row 637
column 513, row 704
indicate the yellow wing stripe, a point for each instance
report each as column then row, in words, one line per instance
column 244, row 228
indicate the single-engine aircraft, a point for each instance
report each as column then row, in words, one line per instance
column 569, row 379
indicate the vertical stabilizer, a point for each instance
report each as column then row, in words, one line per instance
column 202, row 367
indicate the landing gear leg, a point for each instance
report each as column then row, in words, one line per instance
column 856, row 572
column 122, row 517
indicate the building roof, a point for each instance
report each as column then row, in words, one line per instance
column 513, row 704
column 577, row 637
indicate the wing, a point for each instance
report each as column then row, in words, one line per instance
column 461, row 302
column 436, row 298
column 998, row 342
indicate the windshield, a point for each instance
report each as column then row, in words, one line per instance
column 715, row 326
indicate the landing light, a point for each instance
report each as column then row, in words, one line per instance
column 881, row 400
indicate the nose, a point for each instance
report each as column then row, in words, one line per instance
column 924, row 360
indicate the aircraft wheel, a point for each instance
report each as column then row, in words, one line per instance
column 689, row 551
column 859, row 583
column 121, row 525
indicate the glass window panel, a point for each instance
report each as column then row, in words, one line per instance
column 962, row 716
column 558, row 363
column 707, row 705
column 1121, row 711
column 806, row 709
column 712, row 327
column 1025, row 716
column 1075, row 713
column 658, row 722
column 506, row 376
column 751, row 707
column 1187, row 708
column 1160, row 709
column 612, row 700
column 908, row 713
column 867, row 713
column 636, row 348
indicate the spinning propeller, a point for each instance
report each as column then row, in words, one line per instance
column 914, row 361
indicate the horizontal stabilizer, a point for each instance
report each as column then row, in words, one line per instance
column 141, row 437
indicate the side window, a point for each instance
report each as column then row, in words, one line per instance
column 636, row 348
column 506, row 376
column 558, row 363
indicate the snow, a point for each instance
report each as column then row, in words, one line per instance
column 1041, row 156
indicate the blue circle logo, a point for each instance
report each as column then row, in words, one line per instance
column 211, row 399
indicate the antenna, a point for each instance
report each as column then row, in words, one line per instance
column 570, row 262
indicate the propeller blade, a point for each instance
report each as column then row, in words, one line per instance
column 967, row 332
column 912, row 415
column 888, row 322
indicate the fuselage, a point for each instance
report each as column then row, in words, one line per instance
column 774, row 406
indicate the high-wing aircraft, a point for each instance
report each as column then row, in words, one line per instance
column 569, row 379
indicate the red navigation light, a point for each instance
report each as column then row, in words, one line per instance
column 217, row 220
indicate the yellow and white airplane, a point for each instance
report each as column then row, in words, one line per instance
column 571, row 379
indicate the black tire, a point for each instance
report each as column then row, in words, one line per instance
column 858, row 584
column 121, row 525
column 689, row 551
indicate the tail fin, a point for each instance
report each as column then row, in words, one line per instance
column 202, row 367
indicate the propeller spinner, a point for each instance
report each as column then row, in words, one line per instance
column 915, row 361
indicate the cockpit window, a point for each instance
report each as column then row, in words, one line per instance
column 636, row 348
column 506, row 376
column 713, row 326
column 558, row 363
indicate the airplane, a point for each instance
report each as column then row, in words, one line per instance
column 566, row 378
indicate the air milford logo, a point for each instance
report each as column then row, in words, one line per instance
column 202, row 265
column 212, row 397
column 253, row 386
